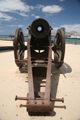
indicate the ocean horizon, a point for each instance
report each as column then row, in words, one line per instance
column 11, row 38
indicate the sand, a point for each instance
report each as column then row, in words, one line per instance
column 65, row 83
column 6, row 43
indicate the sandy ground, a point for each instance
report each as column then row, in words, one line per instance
column 6, row 43
column 65, row 83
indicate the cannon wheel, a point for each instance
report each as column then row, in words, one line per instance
column 60, row 52
column 18, row 45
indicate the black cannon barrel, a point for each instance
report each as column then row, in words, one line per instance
column 40, row 28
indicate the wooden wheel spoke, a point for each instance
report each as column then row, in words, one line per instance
column 59, row 47
column 19, row 44
column 58, row 53
column 58, row 40
column 21, row 48
column 21, row 53
column 55, row 39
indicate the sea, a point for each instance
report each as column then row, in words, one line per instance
column 67, row 40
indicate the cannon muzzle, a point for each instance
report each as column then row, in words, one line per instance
column 40, row 28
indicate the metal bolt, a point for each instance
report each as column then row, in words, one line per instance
column 16, row 98
column 20, row 105
column 28, row 102
column 42, row 102
column 62, row 100
column 50, row 103
column 35, row 102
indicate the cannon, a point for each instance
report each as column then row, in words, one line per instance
column 38, row 62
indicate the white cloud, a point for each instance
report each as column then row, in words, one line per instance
column 70, row 27
column 32, row 15
column 55, row 29
column 23, row 14
column 62, row 0
column 14, row 5
column 5, row 17
column 49, row 14
column 20, row 25
column 31, row 7
column 39, row 6
column 20, row 7
column 12, row 25
column 52, row 9
column 37, row 16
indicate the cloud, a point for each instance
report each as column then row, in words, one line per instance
column 32, row 14
column 20, row 7
column 68, row 27
column 37, row 16
column 55, row 29
column 52, row 9
column 20, row 25
column 39, row 6
column 14, row 5
column 62, row 0
column 49, row 8
column 5, row 17
column 23, row 14
column 12, row 25
column 48, row 14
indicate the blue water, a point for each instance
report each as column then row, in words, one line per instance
column 6, row 37
column 74, row 40
column 71, row 40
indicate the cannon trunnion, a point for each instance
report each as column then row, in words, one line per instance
column 38, row 62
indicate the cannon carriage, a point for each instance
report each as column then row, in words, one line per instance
column 38, row 62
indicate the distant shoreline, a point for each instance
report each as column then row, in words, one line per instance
column 67, row 39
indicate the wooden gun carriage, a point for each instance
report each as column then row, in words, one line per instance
column 38, row 62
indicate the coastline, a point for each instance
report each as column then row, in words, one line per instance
column 5, row 43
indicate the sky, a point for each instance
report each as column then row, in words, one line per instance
column 20, row 13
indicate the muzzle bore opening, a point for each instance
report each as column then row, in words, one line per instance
column 40, row 29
